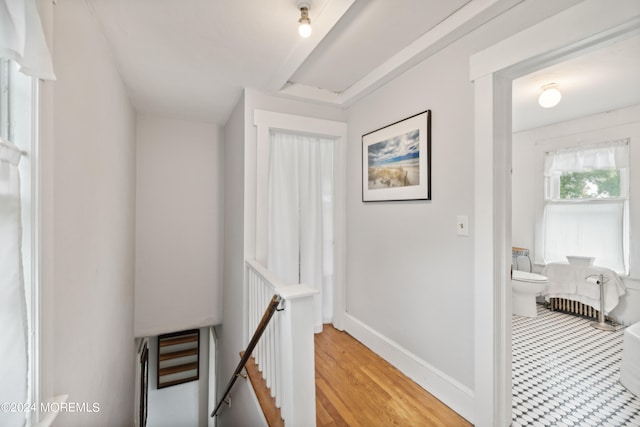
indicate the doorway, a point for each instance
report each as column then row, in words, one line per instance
column 492, row 72
column 557, row 357
column 300, row 234
column 267, row 123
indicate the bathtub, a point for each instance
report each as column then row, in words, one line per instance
column 630, row 367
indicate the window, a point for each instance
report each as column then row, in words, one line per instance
column 22, row 45
column 587, row 203
column 596, row 184
column 178, row 358
column 18, row 308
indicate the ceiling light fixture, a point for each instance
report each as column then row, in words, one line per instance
column 305, row 23
column 550, row 96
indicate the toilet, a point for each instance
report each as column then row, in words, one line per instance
column 525, row 287
column 630, row 367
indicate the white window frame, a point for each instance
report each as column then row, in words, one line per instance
column 19, row 124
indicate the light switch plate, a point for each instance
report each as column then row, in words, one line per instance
column 462, row 225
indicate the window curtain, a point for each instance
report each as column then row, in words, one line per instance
column 586, row 230
column 13, row 316
column 22, row 38
column 595, row 228
column 609, row 155
column 300, row 210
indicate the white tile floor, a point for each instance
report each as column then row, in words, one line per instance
column 565, row 373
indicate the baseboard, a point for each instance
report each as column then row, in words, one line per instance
column 449, row 391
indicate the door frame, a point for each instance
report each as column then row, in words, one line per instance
column 492, row 72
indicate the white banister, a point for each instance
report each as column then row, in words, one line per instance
column 285, row 354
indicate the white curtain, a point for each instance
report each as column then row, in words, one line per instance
column 587, row 227
column 22, row 38
column 300, row 210
column 586, row 230
column 13, row 320
column 608, row 155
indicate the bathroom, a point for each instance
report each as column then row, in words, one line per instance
column 598, row 106
column 611, row 118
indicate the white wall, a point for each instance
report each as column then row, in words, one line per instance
column 244, row 411
column 178, row 225
column 528, row 203
column 90, row 237
column 410, row 278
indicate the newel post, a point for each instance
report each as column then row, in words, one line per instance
column 298, row 364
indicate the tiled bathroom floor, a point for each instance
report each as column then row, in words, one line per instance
column 565, row 373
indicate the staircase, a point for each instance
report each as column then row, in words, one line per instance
column 281, row 365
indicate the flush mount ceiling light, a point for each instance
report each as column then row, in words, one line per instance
column 305, row 23
column 550, row 96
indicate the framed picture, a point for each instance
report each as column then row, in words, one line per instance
column 178, row 358
column 396, row 161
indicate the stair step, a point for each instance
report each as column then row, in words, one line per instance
column 263, row 393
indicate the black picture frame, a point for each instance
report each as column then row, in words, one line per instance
column 396, row 161
column 178, row 358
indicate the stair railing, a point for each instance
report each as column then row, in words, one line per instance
column 264, row 322
column 285, row 354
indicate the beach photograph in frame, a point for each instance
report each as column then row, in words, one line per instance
column 396, row 161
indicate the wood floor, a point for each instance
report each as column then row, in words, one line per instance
column 355, row 387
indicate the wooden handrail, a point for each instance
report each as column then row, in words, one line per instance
column 264, row 322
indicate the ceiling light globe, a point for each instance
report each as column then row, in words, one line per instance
column 550, row 97
column 304, row 30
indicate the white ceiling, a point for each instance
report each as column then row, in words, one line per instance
column 601, row 80
column 192, row 58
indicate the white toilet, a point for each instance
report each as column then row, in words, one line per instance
column 525, row 287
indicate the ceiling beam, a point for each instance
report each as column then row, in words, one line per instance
column 322, row 20
column 466, row 19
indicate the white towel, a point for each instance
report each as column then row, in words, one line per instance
column 570, row 281
column 562, row 278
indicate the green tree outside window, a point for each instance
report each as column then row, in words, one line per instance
column 596, row 184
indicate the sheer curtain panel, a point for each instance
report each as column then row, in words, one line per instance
column 300, row 209
column 13, row 317
column 22, row 38
column 583, row 219
column 608, row 155
column 586, row 230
